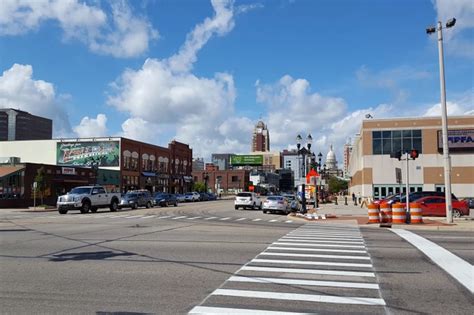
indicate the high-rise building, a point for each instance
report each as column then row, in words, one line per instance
column 221, row 160
column 19, row 125
column 260, row 138
column 347, row 155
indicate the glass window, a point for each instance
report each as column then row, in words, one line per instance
column 386, row 134
column 396, row 145
column 396, row 134
column 377, row 146
column 376, row 191
column 417, row 144
column 387, row 146
column 406, row 145
column 416, row 133
column 397, row 190
column 376, row 134
column 384, row 192
column 406, row 133
column 390, row 190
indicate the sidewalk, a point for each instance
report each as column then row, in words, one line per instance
column 343, row 212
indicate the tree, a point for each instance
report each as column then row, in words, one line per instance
column 41, row 182
column 199, row 187
column 336, row 185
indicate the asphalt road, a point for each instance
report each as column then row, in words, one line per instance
column 209, row 257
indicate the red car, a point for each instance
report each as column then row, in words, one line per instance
column 436, row 206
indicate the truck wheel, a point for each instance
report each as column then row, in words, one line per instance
column 135, row 205
column 62, row 211
column 176, row 204
column 113, row 206
column 86, row 206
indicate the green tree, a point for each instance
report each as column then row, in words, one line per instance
column 336, row 185
column 199, row 187
column 40, row 182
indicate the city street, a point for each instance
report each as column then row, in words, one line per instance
column 207, row 257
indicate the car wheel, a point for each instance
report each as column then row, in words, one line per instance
column 264, row 211
column 456, row 213
column 135, row 205
column 86, row 206
column 236, row 208
column 148, row 205
column 253, row 206
column 93, row 209
column 113, row 206
column 260, row 207
column 62, row 211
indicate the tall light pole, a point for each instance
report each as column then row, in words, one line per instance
column 444, row 118
column 304, row 153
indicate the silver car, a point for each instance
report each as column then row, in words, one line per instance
column 276, row 204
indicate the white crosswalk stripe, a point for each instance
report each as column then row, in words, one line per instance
column 315, row 255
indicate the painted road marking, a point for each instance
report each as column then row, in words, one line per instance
column 310, row 271
column 320, row 245
column 284, row 239
column 300, row 297
column 266, row 253
column 289, row 221
column 325, row 238
column 194, row 218
column 337, row 284
column 325, row 234
column 241, row 219
column 210, row 218
column 239, row 311
column 224, row 219
column 273, row 221
column 458, row 268
column 256, row 220
column 148, row 216
column 132, row 216
column 164, row 217
column 181, row 217
column 306, row 262
column 319, row 250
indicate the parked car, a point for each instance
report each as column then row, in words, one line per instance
column 212, row 196
column 246, row 200
column 136, row 198
column 165, row 199
column 276, row 204
column 436, row 206
column 191, row 196
column 180, row 197
column 203, row 196
column 414, row 196
column 470, row 202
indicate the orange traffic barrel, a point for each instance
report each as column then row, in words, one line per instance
column 373, row 210
column 385, row 213
column 398, row 213
column 416, row 213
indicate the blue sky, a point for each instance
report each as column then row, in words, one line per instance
column 203, row 72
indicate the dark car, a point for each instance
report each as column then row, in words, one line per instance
column 134, row 199
column 212, row 196
column 165, row 199
column 203, row 196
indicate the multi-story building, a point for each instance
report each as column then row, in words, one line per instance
column 226, row 181
column 222, row 160
column 141, row 165
column 211, row 167
column 198, row 164
column 347, row 153
column 373, row 172
column 19, row 125
column 260, row 138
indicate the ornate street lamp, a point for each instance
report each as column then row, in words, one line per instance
column 304, row 151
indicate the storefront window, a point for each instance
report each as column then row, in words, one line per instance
column 386, row 142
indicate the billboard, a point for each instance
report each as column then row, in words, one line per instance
column 243, row 160
column 458, row 139
column 106, row 153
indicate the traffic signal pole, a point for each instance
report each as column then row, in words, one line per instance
column 407, row 156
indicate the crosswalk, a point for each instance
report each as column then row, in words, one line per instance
column 130, row 216
column 317, row 268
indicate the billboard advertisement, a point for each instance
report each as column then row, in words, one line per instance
column 106, row 153
column 458, row 139
column 243, row 160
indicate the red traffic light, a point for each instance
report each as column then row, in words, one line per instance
column 414, row 154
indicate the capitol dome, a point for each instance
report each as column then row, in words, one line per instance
column 331, row 162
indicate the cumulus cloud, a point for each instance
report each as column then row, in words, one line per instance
column 122, row 34
column 92, row 127
column 19, row 90
column 166, row 92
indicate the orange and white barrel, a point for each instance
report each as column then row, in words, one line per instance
column 385, row 213
column 373, row 210
column 416, row 213
column 398, row 213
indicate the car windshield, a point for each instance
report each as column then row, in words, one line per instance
column 158, row 194
column 275, row 198
column 80, row 190
column 244, row 195
column 131, row 195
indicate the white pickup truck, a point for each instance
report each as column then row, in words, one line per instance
column 88, row 198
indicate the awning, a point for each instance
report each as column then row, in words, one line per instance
column 148, row 174
column 7, row 170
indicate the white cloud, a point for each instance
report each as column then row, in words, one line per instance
column 453, row 109
column 120, row 35
column 166, row 92
column 141, row 130
column 19, row 90
column 460, row 42
column 92, row 127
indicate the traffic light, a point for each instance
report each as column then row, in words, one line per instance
column 414, row 154
column 396, row 155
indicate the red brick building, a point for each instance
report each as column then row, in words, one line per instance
column 225, row 180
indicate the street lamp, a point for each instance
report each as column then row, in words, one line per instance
column 444, row 118
column 206, row 178
column 304, row 152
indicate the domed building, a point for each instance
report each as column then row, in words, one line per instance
column 331, row 162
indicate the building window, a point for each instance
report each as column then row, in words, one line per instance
column 388, row 141
column 235, row 178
